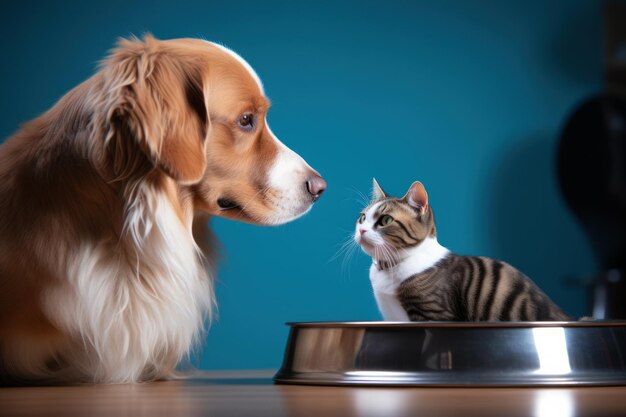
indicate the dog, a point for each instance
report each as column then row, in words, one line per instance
column 105, row 253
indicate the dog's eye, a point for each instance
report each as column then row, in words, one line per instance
column 246, row 121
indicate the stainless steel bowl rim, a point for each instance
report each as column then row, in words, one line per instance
column 583, row 353
column 455, row 324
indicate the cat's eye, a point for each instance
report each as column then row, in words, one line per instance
column 246, row 122
column 385, row 220
column 362, row 218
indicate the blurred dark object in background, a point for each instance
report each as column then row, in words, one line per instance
column 592, row 170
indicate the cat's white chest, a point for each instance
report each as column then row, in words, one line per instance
column 385, row 283
column 385, row 286
column 390, row 307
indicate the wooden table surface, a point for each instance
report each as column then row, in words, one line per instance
column 251, row 393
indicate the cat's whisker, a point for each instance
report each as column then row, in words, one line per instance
column 394, row 254
column 343, row 247
column 379, row 252
column 364, row 200
column 387, row 254
column 346, row 251
column 348, row 260
column 342, row 252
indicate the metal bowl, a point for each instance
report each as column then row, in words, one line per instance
column 455, row 354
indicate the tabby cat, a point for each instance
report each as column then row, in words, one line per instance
column 416, row 279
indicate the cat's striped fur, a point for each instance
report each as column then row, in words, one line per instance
column 414, row 278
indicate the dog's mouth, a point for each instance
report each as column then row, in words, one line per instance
column 227, row 204
column 266, row 207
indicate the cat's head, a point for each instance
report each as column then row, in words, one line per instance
column 390, row 225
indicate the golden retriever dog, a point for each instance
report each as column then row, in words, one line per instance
column 104, row 250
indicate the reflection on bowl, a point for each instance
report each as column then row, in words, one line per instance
column 455, row 354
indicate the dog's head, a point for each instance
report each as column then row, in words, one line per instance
column 197, row 112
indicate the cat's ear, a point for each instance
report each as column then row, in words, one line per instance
column 417, row 197
column 377, row 192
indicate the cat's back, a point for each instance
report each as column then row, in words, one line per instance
column 477, row 288
column 496, row 291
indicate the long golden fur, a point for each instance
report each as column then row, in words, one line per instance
column 104, row 252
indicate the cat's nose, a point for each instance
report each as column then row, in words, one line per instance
column 362, row 231
column 315, row 185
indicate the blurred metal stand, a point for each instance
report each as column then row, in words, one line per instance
column 592, row 170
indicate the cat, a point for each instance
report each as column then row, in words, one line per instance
column 416, row 279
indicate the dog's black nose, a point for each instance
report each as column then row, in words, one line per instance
column 315, row 185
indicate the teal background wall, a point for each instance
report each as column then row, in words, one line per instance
column 467, row 96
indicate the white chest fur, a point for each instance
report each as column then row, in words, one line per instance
column 385, row 283
column 135, row 311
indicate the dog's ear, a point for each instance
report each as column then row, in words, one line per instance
column 154, row 102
